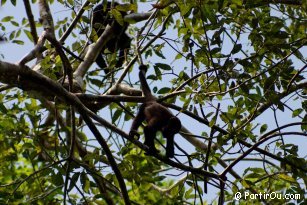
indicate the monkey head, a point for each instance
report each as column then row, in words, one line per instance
column 172, row 127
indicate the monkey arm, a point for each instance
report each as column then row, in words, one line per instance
column 140, row 117
column 170, row 146
column 118, row 41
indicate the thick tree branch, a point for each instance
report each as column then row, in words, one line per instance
column 30, row 80
column 93, row 50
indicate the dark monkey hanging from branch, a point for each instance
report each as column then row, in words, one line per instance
column 158, row 118
column 121, row 41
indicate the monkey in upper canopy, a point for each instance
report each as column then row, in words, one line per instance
column 120, row 42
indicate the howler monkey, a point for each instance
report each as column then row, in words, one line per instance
column 158, row 118
column 120, row 42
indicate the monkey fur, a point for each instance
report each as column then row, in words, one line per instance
column 120, row 42
column 158, row 118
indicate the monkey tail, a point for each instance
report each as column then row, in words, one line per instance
column 144, row 84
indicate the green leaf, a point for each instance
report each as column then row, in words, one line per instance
column 14, row 23
column 18, row 42
column 263, row 128
column 297, row 112
column 57, row 179
column 3, row 2
column 189, row 194
column 215, row 50
column 186, row 103
column 158, row 51
column 3, row 108
column 237, row 2
column 163, row 66
column 126, row 7
column 28, row 34
column 85, row 182
column 164, row 90
column 236, row 48
column 118, row 16
column 287, row 178
column 73, row 181
column 245, row 184
column 213, row 121
column 116, row 115
column 7, row 18
column 209, row 12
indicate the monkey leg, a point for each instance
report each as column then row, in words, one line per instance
column 170, row 147
column 150, row 140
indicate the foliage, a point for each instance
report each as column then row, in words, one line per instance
column 234, row 72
